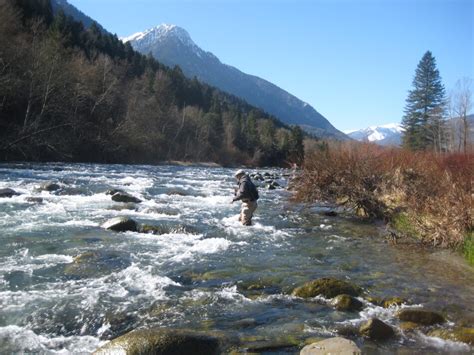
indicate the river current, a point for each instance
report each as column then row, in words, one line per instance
column 206, row 271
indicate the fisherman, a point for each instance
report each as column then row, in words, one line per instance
column 248, row 194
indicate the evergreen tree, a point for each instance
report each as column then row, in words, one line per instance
column 425, row 108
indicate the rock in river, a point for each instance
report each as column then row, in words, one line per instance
column 327, row 287
column 346, row 303
column 124, row 197
column 420, row 316
column 121, row 224
column 8, row 193
column 162, row 341
column 465, row 335
column 49, row 186
column 375, row 329
column 336, row 346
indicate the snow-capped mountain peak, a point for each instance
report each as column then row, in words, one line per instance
column 389, row 134
column 159, row 33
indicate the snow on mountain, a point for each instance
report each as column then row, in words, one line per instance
column 172, row 45
column 389, row 134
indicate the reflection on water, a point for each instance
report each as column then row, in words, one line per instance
column 65, row 283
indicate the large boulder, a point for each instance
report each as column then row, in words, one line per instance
column 8, row 193
column 465, row 335
column 420, row 316
column 346, row 303
column 162, row 342
column 124, row 197
column 327, row 287
column 375, row 329
column 333, row 346
column 121, row 224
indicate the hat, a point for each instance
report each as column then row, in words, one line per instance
column 239, row 172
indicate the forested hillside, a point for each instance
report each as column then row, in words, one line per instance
column 75, row 94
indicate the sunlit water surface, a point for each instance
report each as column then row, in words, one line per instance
column 208, row 273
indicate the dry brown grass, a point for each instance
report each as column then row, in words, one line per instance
column 420, row 193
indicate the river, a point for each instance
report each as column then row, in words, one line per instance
column 206, row 271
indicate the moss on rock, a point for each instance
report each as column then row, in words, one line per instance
column 420, row 316
column 346, row 303
column 465, row 335
column 161, row 342
column 375, row 329
column 327, row 287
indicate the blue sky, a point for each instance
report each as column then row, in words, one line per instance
column 353, row 61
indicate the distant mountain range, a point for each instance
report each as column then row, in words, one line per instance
column 389, row 134
column 172, row 46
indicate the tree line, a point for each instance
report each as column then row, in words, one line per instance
column 75, row 94
column 428, row 108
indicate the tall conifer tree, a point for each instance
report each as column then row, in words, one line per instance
column 425, row 108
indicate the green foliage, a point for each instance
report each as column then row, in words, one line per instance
column 424, row 120
column 468, row 247
column 70, row 93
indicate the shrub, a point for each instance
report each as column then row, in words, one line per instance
column 421, row 194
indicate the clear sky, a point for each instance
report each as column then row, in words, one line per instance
column 353, row 61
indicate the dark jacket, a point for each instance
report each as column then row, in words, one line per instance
column 246, row 190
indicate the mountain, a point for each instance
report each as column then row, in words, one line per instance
column 172, row 45
column 75, row 13
column 389, row 134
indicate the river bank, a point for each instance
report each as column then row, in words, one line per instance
column 68, row 284
column 423, row 197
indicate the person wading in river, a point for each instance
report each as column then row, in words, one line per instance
column 248, row 194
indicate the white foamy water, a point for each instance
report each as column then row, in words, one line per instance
column 67, row 285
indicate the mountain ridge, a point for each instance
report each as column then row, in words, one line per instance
column 172, row 45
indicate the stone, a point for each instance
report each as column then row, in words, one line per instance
column 327, row 287
column 408, row 326
column 97, row 263
column 464, row 335
column 8, row 193
column 375, row 329
column 49, row 186
column 162, row 342
column 392, row 301
column 124, row 197
column 333, row 346
column 270, row 187
column 346, row 303
column 420, row 316
column 156, row 230
column 330, row 213
column 34, row 199
column 121, row 224
column 113, row 191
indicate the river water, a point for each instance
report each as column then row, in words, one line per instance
column 206, row 272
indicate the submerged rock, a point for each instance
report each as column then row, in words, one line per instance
column 420, row 316
column 149, row 229
column 7, row 193
column 96, row 263
column 375, row 329
column 327, row 287
column 408, row 326
column 464, row 335
column 162, row 341
column 34, row 199
column 49, row 186
column 392, row 301
column 125, row 197
column 346, row 303
column 334, row 346
column 121, row 224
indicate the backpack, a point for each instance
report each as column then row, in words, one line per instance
column 253, row 191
